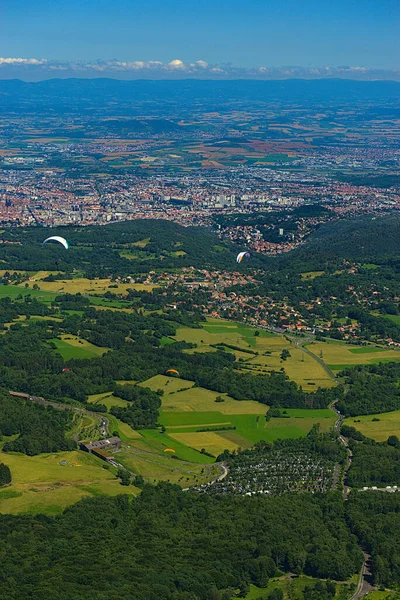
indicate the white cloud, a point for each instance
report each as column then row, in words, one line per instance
column 9, row 66
column 22, row 61
column 176, row 64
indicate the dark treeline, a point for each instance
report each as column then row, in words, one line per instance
column 375, row 518
column 323, row 445
column 5, row 474
column 142, row 412
column 28, row 306
column 373, row 463
column 98, row 251
column 364, row 239
column 170, row 545
column 39, row 428
column 373, row 389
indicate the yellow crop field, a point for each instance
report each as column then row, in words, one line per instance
column 300, row 366
column 42, row 274
column 340, row 356
column 379, row 430
column 86, row 286
column 210, row 440
column 167, row 384
column 201, row 400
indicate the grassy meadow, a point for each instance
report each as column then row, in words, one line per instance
column 300, row 367
column 155, row 467
column 384, row 425
column 292, row 587
column 343, row 356
column 44, row 484
column 83, row 285
column 71, row 346
column 186, row 409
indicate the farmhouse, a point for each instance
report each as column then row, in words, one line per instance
column 101, row 445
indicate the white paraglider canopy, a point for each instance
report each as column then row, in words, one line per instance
column 241, row 256
column 57, row 238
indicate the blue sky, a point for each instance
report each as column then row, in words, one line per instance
column 246, row 33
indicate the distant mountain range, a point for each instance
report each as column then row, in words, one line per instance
column 64, row 94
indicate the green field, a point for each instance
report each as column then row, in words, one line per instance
column 42, row 484
column 154, row 467
column 13, row 291
column 249, row 428
column 186, row 409
column 292, row 587
column 388, row 424
column 380, row 595
column 394, row 318
column 182, row 451
column 70, row 346
column 183, row 413
column 365, row 350
column 344, row 356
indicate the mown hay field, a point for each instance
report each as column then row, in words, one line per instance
column 86, row 286
column 166, row 467
column 108, row 400
column 379, row 430
column 300, row 366
column 181, row 396
column 342, row 356
column 41, row 484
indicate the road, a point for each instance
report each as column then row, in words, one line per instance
column 302, row 344
column 364, row 585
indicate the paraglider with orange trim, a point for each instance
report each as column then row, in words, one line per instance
column 169, row 450
column 172, row 372
column 241, row 256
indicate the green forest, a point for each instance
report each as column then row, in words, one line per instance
column 373, row 389
column 167, row 544
column 38, row 428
